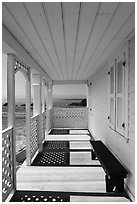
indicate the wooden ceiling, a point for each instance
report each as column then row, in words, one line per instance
column 69, row 40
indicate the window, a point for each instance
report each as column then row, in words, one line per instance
column 116, row 94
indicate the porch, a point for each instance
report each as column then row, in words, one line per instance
column 68, row 43
column 80, row 180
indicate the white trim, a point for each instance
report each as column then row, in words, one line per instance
column 58, row 82
column 120, row 95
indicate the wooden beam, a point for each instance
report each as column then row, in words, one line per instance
column 58, row 82
column 9, row 39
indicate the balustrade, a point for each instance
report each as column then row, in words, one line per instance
column 7, row 163
column 70, row 117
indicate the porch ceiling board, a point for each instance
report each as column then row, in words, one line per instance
column 69, row 40
column 122, row 24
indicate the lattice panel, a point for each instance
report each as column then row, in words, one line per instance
column 70, row 118
column 51, row 118
column 43, row 125
column 34, row 134
column 7, row 168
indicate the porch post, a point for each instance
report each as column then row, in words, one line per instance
column 49, row 105
column 11, row 108
column 43, row 106
column 28, row 119
column 43, row 95
column 37, row 105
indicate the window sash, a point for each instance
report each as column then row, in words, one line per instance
column 120, row 106
column 112, row 96
column 116, row 95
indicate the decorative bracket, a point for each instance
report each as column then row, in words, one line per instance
column 20, row 66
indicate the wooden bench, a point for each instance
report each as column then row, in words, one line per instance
column 115, row 172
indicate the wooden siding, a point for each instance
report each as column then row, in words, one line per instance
column 98, row 115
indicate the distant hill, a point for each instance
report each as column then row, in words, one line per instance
column 83, row 102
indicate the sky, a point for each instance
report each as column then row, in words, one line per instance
column 59, row 91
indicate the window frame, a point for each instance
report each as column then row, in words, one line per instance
column 116, row 94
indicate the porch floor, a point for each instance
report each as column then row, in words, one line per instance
column 83, row 179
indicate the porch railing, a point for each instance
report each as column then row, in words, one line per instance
column 34, row 135
column 70, row 117
column 36, row 132
column 7, row 163
column 43, row 125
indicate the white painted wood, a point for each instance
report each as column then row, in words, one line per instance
column 75, row 132
column 88, row 12
column 80, row 145
column 65, row 32
column 70, row 118
column 82, row 158
column 103, row 19
column 68, row 137
column 99, row 127
column 40, row 22
column 98, row 199
column 69, row 179
column 28, row 119
column 24, row 19
column 71, row 15
column 49, row 105
column 11, row 109
column 120, row 28
column 43, row 95
column 54, row 14
column 11, row 41
column 37, row 109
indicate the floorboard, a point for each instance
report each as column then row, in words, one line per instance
column 80, row 178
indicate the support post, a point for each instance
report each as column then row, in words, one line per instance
column 49, row 105
column 37, row 105
column 28, row 119
column 43, row 105
column 11, row 108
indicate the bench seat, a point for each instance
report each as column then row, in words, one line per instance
column 115, row 172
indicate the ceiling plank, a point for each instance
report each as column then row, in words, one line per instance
column 38, row 17
column 54, row 14
column 104, row 16
column 70, row 15
column 23, row 18
column 88, row 12
column 120, row 28
column 10, row 22
column 8, row 38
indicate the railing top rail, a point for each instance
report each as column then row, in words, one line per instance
column 9, row 129
column 34, row 116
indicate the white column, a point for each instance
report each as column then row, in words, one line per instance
column 37, row 109
column 28, row 119
column 43, row 106
column 49, row 105
column 11, row 108
column 50, row 95
column 43, row 95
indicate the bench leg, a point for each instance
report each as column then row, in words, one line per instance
column 93, row 155
column 114, row 182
